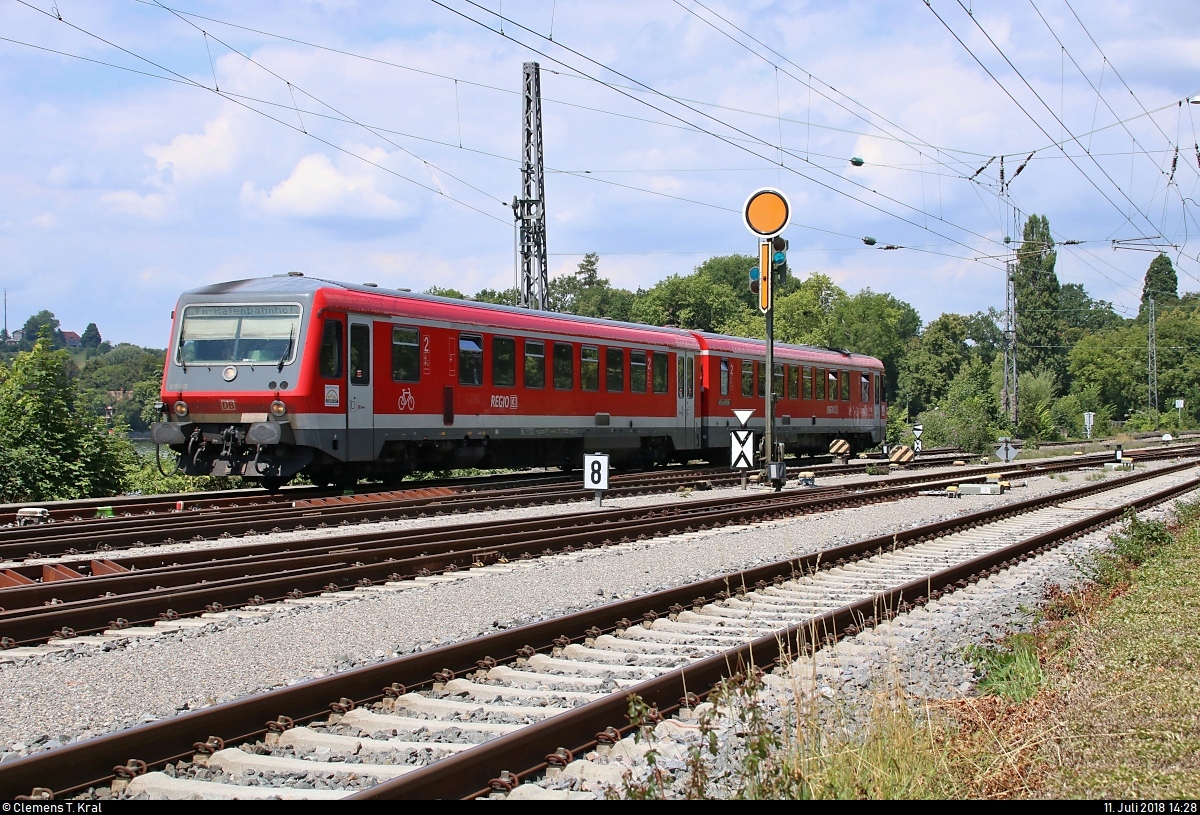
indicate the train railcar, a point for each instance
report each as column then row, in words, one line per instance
column 270, row 377
column 819, row 394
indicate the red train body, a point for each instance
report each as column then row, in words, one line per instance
column 271, row 377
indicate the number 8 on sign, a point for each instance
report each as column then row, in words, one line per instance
column 595, row 471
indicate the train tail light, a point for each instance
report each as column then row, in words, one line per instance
column 278, row 409
column 181, row 408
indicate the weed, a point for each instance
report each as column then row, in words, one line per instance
column 1139, row 539
column 1011, row 669
column 654, row 787
column 1100, row 476
column 876, row 469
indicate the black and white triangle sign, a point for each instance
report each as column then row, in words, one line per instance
column 741, row 449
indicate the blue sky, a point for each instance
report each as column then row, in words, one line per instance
column 378, row 143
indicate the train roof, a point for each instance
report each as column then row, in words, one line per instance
column 366, row 299
column 723, row 343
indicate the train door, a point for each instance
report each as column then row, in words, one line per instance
column 877, row 382
column 360, row 413
column 685, row 389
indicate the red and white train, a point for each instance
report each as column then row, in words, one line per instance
column 270, row 377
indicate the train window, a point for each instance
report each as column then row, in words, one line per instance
column 691, row 391
column 535, row 364
column 360, row 354
column 251, row 334
column 470, row 359
column 679, row 375
column 793, row 382
column 806, row 374
column 564, row 366
column 614, row 370
column 658, row 365
column 504, row 362
column 331, row 349
column 724, row 377
column 866, row 389
column 589, row 368
column 761, row 374
column 777, row 380
column 637, row 371
column 406, row 354
column 819, row 381
column 845, row 386
column 832, row 378
column 747, row 378
column 878, row 387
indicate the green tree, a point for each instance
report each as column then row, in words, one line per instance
column 439, row 291
column 732, row 271
column 931, row 363
column 1113, row 363
column 1082, row 315
column 686, row 302
column 507, row 297
column 49, row 449
column 1039, row 326
column 806, row 315
column 875, row 324
column 1161, row 283
column 1035, row 406
column 91, row 336
column 33, row 330
column 966, row 415
column 587, row 294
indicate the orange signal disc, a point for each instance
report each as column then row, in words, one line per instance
column 767, row 212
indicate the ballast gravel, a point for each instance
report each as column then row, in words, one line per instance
column 96, row 688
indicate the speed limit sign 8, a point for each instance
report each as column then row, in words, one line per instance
column 595, row 471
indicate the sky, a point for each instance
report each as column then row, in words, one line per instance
column 154, row 146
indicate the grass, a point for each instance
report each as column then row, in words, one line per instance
column 1127, row 674
column 1100, row 701
column 1011, row 669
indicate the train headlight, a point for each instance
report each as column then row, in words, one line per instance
column 278, row 409
column 229, row 374
column 181, row 408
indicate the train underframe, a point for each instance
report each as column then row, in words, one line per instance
column 269, row 453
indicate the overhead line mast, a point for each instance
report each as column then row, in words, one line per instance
column 529, row 209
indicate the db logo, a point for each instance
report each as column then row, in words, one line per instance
column 228, row 404
column 504, row 402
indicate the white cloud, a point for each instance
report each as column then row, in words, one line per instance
column 318, row 189
column 192, row 157
column 153, row 206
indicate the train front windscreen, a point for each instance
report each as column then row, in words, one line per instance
column 221, row 334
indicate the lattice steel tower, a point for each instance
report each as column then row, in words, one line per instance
column 1008, row 396
column 529, row 209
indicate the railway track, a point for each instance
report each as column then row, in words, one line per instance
column 110, row 534
column 480, row 717
column 104, row 509
column 71, row 598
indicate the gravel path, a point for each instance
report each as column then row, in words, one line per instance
column 94, row 689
